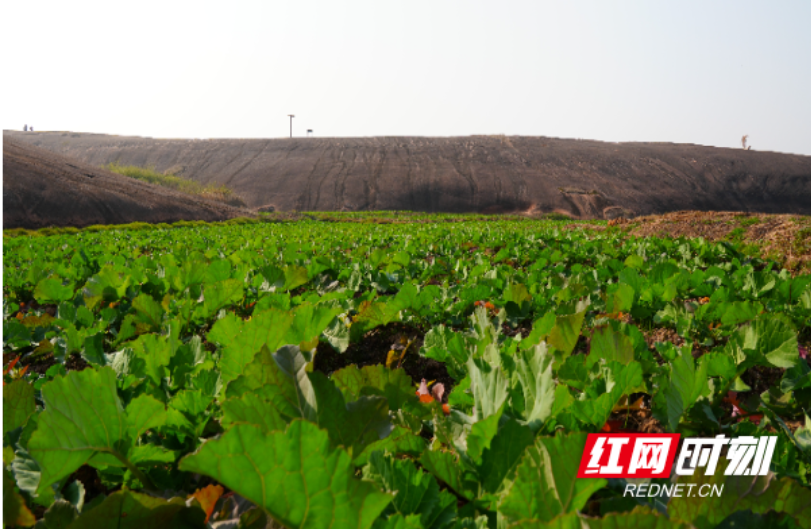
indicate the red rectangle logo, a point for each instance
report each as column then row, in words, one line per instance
column 631, row 455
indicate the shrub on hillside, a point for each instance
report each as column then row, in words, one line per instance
column 219, row 193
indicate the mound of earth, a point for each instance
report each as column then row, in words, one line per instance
column 41, row 188
column 785, row 239
column 483, row 174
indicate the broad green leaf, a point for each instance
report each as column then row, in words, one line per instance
column 740, row 312
column 687, row 384
column 274, row 276
column 398, row 521
column 635, row 261
column 154, row 353
column 149, row 454
column 18, row 404
column 373, row 315
column 760, row 494
column 490, row 388
column 545, row 484
column 219, row 295
column 108, row 285
column 517, row 293
column 540, row 330
column 802, row 435
column 446, row 466
column 59, row 515
column 337, row 334
column 401, row 258
column 481, row 433
column 27, row 474
column 143, row 413
column 620, row 380
column 250, row 408
column 566, row 331
column 610, row 345
column 352, row 425
column 26, row 470
column 51, row 290
column 400, row 441
column 619, row 298
column 377, row 257
column 719, row 365
column 499, row 460
column 533, row 375
column 74, row 493
column 241, row 341
column 394, row 384
column 407, row 297
column 446, row 346
column 82, row 416
column 126, row 509
column 594, row 411
column 662, row 272
column 218, row 270
column 771, row 337
column 486, row 334
column 309, row 322
column 190, row 402
column 15, row 335
column 281, row 381
column 15, row 511
column 294, row 475
column 148, row 314
column 415, row 492
column 294, row 277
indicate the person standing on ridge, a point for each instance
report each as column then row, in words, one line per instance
column 25, row 128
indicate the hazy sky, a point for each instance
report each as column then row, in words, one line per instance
column 702, row 72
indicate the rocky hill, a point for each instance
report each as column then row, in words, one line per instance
column 493, row 174
column 41, row 188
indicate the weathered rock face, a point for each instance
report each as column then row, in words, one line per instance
column 491, row 174
column 41, row 188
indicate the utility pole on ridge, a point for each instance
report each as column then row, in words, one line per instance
column 291, row 124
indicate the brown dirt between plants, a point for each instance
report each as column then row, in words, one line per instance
column 373, row 349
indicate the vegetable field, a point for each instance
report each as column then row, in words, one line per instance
column 368, row 372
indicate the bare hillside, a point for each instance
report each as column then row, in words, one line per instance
column 492, row 174
column 41, row 188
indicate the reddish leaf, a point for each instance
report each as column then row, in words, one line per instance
column 207, row 497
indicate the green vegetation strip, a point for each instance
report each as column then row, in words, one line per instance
column 255, row 370
column 221, row 193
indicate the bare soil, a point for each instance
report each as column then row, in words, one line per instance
column 473, row 174
column 41, row 189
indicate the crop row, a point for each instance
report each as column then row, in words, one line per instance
column 240, row 373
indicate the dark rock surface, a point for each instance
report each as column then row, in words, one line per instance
column 41, row 188
column 490, row 174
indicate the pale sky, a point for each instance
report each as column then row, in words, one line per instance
column 704, row 72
